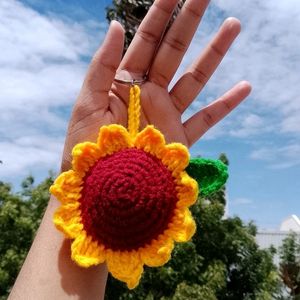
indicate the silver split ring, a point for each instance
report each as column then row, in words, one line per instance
column 132, row 81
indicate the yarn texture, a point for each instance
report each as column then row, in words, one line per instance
column 210, row 174
column 126, row 199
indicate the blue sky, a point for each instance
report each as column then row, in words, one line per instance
column 46, row 46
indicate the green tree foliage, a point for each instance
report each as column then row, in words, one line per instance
column 290, row 264
column 20, row 216
column 222, row 261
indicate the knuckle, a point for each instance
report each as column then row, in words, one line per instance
column 193, row 12
column 179, row 104
column 160, row 78
column 176, row 44
column 162, row 8
column 102, row 58
column 148, row 36
column 216, row 50
column 199, row 76
column 208, row 119
column 226, row 105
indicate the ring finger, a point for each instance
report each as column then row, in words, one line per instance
column 192, row 82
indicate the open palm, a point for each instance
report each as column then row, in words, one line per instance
column 103, row 100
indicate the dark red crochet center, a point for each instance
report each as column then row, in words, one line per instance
column 128, row 199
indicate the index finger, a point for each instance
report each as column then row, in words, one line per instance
column 105, row 62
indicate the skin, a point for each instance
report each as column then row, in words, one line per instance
column 48, row 272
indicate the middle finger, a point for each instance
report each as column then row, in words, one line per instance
column 176, row 42
column 140, row 53
column 191, row 83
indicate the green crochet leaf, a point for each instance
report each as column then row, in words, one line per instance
column 210, row 174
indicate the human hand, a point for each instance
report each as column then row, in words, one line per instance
column 103, row 100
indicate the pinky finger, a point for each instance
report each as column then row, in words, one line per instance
column 207, row 117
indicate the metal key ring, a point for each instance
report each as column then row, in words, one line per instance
column 132, row 81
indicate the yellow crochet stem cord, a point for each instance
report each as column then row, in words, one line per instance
column 134, row 110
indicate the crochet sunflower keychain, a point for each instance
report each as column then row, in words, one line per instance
column 126, row 199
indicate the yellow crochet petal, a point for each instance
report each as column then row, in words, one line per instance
column 84, row 156
column 187, row 190
column 86, row 252
column 125, row 266
column 175, row 157
column 158, row 252
column 67, row 187
column 150, row 140
column 183, row 226
column 113, row 138
column 67, row 219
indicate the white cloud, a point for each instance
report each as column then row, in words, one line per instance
column 291, row 123
column 246, row 126
column 241, row 201
column 51, row 85
column 279, row 157
column 30, row 38
column 249, row 125
column 42, row 65
column 267, row 53
column 29, row 153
